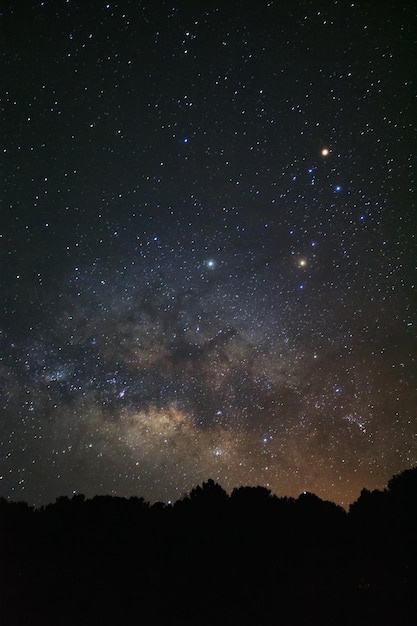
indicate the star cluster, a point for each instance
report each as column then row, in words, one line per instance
column 208, row 254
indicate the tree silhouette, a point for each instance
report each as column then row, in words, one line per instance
column 211, row 558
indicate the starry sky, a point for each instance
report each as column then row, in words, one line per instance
column 207, row 245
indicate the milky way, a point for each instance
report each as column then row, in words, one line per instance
column 207, row 247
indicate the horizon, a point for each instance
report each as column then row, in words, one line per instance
column 186, row 495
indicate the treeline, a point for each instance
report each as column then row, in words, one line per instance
column 212, row 559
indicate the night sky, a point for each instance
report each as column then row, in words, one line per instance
column 207, row 244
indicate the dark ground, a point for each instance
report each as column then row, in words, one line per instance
column 213, row 559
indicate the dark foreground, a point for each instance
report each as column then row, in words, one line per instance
column 212, row 559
